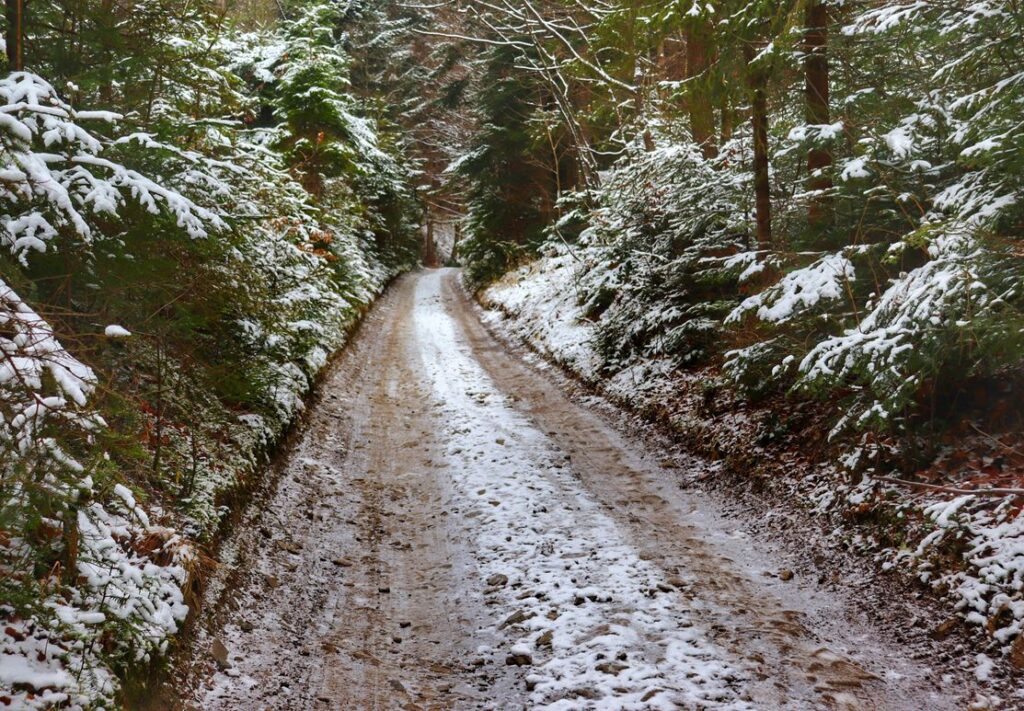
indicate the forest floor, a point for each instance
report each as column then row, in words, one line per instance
column 456, row 529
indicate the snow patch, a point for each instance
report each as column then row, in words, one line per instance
column 115, row 331
column 616, row 639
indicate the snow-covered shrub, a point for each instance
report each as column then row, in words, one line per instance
column 813, row 296
column 929, row 294
column 58, row 177
column 952, row 317
column 669, row 232
column 80, row 563
column 59, row 187
column 799, row 292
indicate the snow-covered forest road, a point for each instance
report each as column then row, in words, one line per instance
column 452, row 530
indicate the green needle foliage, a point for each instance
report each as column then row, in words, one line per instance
column 175, row 269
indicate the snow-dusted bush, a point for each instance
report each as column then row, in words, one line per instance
column 954, row 316
column 930, row 293
column 57, row 176
column 79, row 560
column 220, row 285
column 668, row 232
column 57, row 183
column 800, row 292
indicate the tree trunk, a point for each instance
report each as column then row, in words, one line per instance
column 69, row 557
column 758, row 79
column 816, row 83
column 454, row 256
column 727, row 118
column 107, row 85
column 672, row 59
column 15, row 11
column 698, row 61
column 576, row 108
column 158, row 411
column 429, row 246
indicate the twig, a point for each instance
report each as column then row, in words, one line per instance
column 951, row 489
column 994, row 440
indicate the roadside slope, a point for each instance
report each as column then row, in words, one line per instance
column 773, row 458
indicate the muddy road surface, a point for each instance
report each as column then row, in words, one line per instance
column 453, row 531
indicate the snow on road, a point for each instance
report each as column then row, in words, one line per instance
column 603, row 628
column 454, row 531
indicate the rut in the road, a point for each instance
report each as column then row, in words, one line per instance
column 453, row 531
column 603, row 624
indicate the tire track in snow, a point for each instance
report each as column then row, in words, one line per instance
column 803, row 647
column 602, row 627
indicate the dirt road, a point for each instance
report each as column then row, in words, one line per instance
column 453, row 531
